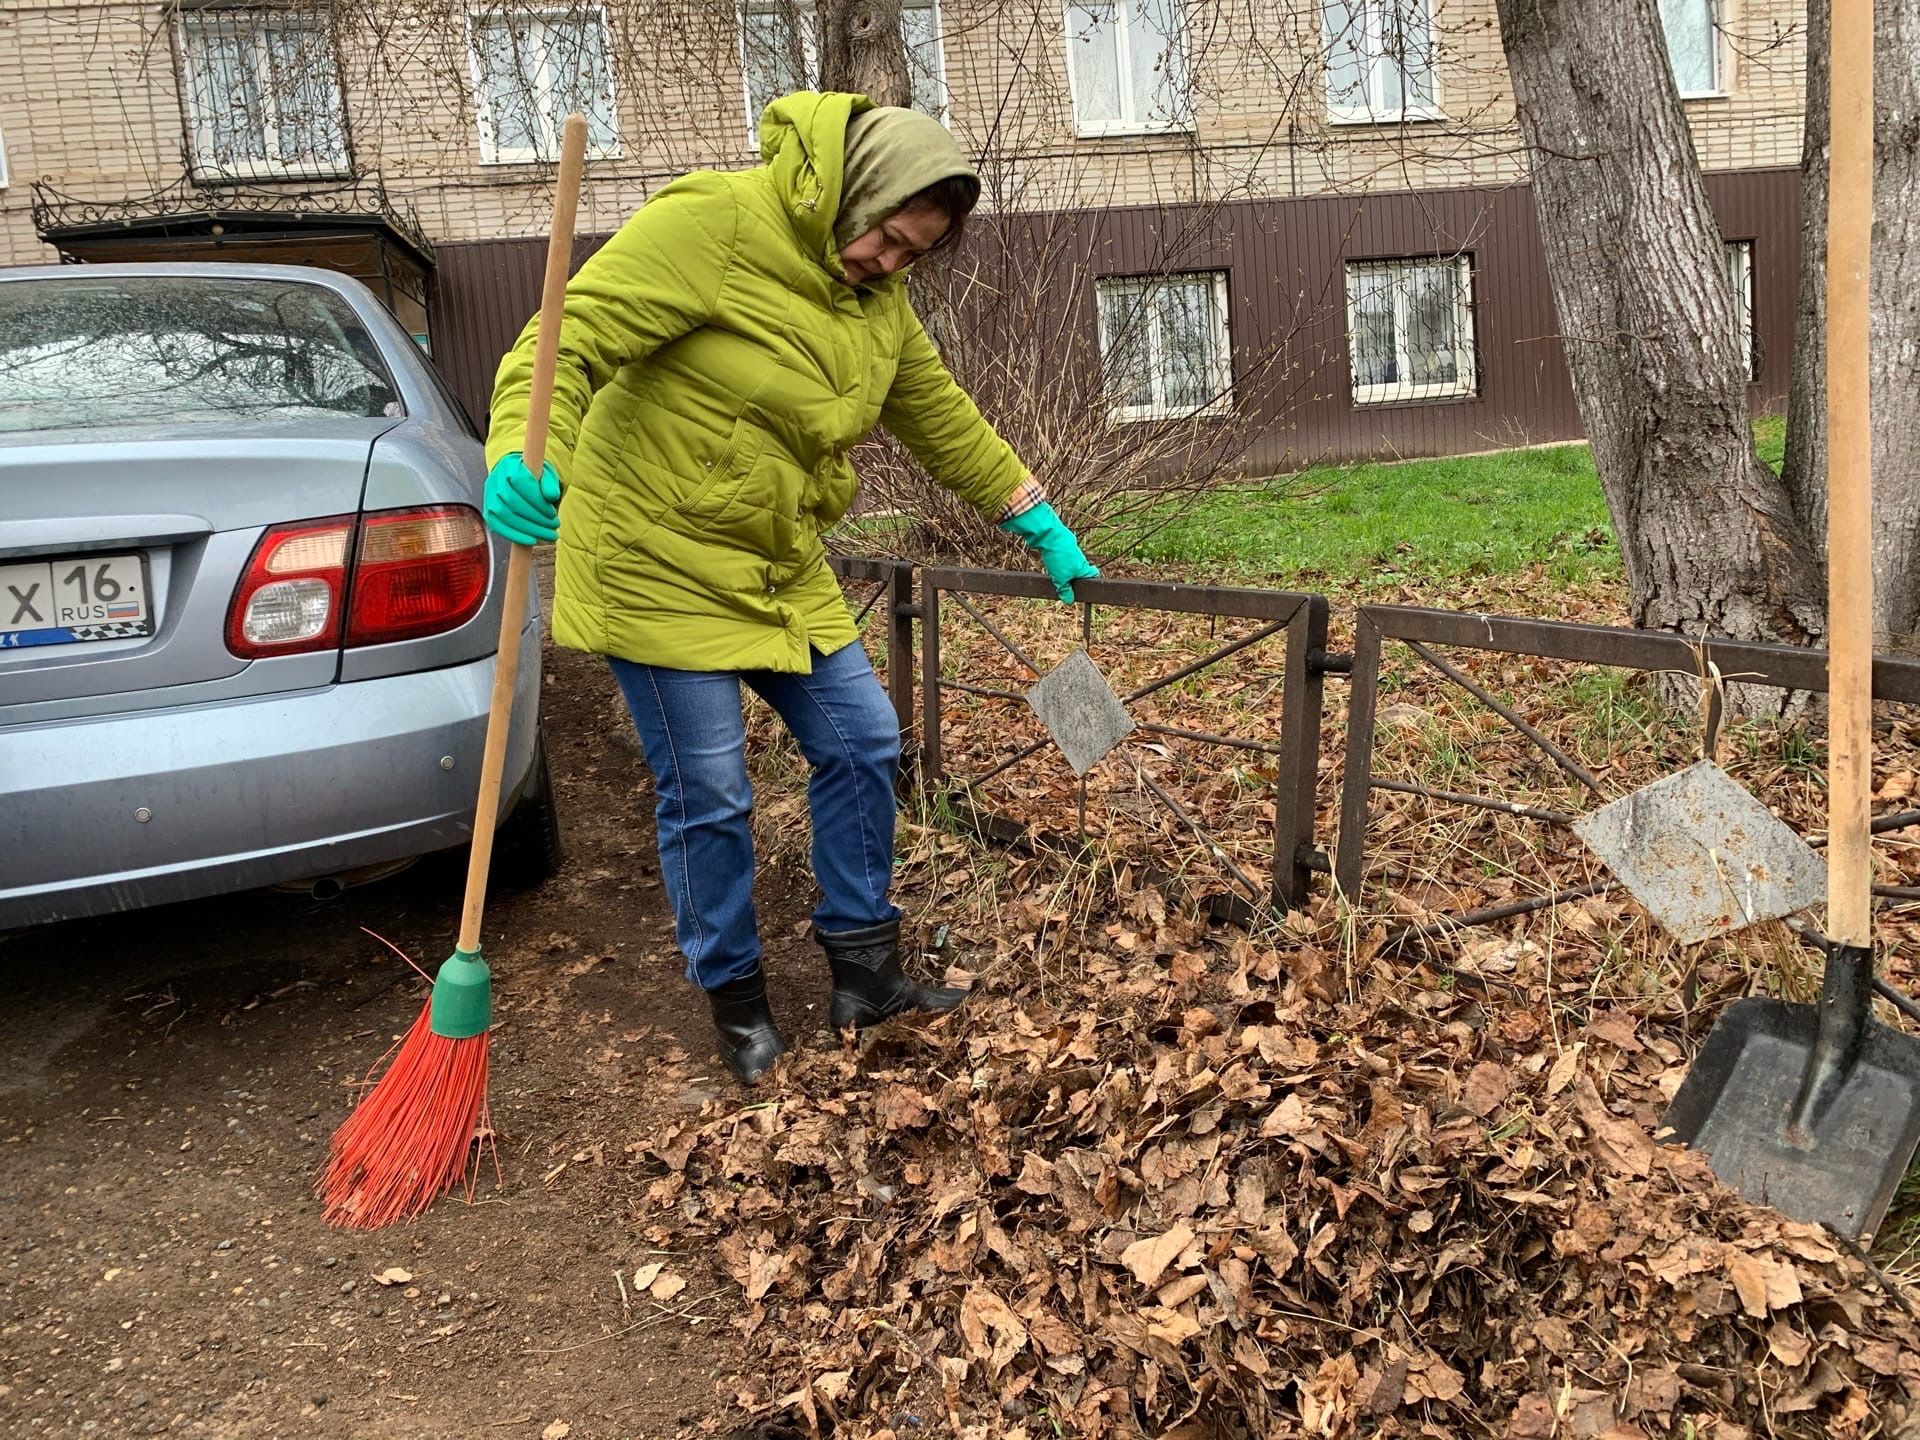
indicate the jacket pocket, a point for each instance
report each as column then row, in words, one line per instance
column 725, row 476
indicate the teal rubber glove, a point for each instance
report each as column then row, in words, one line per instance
column 1053, row 542
column 519, row 507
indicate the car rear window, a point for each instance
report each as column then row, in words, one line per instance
column 183, row 350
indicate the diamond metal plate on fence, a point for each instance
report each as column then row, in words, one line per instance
column 1080, row 711
column 1703, row 855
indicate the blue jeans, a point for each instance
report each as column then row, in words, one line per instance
column 695, row 739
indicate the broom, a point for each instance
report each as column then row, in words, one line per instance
column 407, row 1142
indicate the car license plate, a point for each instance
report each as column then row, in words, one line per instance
column 72, row 599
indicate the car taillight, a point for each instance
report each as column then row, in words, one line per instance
column 289, row 600
column 412, row 573
column 419, row 572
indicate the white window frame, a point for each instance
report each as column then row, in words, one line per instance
column 809, row 18
column 1371, row 17
column 1737, row 257
column 547, row 151
column 200, row 130
column 1180, row 124
column 1399, row 392
column 5, row 178
column 1222, row 377
column 1718, row 89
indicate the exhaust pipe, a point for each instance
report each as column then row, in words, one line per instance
column 327, row 887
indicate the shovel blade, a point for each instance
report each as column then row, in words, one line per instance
column 1843, row 1169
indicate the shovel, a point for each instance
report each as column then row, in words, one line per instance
column 1815, row 1109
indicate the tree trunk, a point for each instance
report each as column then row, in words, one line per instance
column 1894, row 300
column 863, row 49
column 1708, row 534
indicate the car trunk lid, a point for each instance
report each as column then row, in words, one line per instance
column 150, row 529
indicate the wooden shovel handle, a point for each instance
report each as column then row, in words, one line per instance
column 1849, row 479
column 513, row 608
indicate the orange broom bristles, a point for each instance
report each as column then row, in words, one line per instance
column 409, row 1139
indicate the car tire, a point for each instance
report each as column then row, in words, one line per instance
column 526, row 848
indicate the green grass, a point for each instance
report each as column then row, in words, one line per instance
column 1770, row 440
column 1433, row 519
column 1476, row 514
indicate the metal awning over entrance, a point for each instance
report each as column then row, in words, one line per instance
column 353, row 227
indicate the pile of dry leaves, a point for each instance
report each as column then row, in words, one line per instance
column 1160, row 1179
column 1208, row 1196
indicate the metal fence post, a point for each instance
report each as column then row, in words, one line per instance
column 1357, row 781
column 1296, row 783
column 929, row 678
column 900, row 656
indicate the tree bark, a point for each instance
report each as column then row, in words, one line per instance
column 863, row 49
column 1894, row 300
column 1708, row 534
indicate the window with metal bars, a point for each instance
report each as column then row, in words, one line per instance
column 263, row 96
column 532, row 68
column 1737, row 255
column 1410, row 329
column 1164, row 346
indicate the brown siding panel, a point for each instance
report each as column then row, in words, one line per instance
column 1285, row 260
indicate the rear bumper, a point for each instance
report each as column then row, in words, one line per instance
column 258, row 792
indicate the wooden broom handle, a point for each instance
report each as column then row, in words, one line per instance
column 513, row 608
column 1849, row 478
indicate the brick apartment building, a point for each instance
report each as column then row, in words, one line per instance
column 1333, row 191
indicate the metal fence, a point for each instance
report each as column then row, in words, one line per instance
column 1296, row 621
column 1782, row 667
column 902, row 595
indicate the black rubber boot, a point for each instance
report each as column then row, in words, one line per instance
column 868, row 983
column 749, row 1041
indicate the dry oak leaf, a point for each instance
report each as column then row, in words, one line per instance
column 1289, row 1117
column 1788, row 1345
column 1487, row 1087
column 899, row 1108
column 993, row 1332
column 394, row 1275
column 1169, row 1325
column 647, row 1274
column 1036, row 1175
column 1532, row 1419
column 1149, row 1258
column 1763, row 1283
column 1437, row 1380
column 666, row 1287
column 1621, row 1143
column 558, row 1430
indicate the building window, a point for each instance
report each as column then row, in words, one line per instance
column 263, row 94
column 1693, row 45
column 780, row 53
column 1125, row 67
column 1379, row 61
column 533, row 68
column 1410, row 329
column 1164, row 350
column 1738, row 257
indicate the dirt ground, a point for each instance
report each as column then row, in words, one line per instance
column 168, row 1083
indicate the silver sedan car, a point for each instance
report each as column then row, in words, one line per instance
column 248, row 607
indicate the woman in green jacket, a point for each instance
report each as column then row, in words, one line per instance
column 719, row 358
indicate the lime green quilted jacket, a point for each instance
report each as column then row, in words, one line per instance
column 714, row 372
